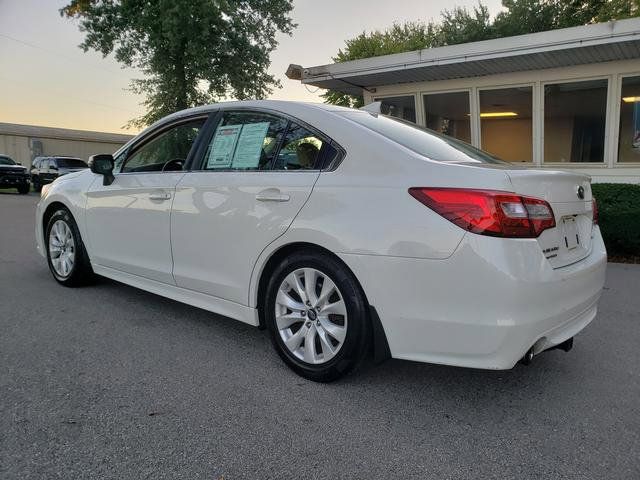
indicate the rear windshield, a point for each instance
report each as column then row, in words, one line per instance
column 71, row 163
column 428, row 143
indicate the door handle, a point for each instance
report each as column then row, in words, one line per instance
column 159, row 196
column 272, row 195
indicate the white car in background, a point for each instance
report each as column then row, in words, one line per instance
column 341, row 231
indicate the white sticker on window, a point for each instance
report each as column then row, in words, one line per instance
column 249, row 147
column 223, row 146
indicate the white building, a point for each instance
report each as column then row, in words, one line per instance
column 25, row 142
column 566, row 99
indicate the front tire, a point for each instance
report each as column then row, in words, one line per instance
column 24, row 189
column 66, row 255
column 317, row 316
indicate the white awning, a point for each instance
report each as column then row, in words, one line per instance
column 602, row 42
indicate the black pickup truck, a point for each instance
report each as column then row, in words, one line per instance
column 14, row 175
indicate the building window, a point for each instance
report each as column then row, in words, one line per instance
column 629, row 134
column 399, row 107
column 574, row 121
column 448, row 113
column 506, row 123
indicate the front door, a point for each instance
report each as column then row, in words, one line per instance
column 128, row 222
column 255, row 175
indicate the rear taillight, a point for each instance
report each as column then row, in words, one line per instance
column 594, row 211
column 489, row 212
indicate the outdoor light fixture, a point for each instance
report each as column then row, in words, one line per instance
column 630, row 99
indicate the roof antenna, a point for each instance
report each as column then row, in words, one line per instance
column 374, row 107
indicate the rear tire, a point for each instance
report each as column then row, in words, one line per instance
column 67, row 258
column 337, row 327
column 24, row 189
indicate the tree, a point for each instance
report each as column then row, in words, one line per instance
column 191, row 52
column 460, row 25
column 398, row 38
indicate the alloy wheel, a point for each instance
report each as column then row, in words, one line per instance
column 62, row 248
column 311, row 315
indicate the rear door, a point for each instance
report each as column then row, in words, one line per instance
column 128, row 222
column 257, row 170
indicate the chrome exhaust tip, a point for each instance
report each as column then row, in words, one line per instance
column 528, row 357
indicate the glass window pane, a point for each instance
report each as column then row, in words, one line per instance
column 244, row 141
column 300, row 149
column 171, row 146
column 574, row 121
column 422, row 141
column 399, row 107
column 629, row 138
column 448, row 113
column 506, row 123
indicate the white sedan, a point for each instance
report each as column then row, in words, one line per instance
column 343, row 232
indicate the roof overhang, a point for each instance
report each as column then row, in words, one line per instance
column 35, row 131
column 602, row 42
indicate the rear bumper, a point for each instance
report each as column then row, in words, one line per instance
column 484, row 306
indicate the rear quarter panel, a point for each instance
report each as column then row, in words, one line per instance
column 363, row 207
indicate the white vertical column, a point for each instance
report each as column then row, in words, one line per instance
column 474, row 98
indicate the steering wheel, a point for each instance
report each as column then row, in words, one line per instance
column 174, row 165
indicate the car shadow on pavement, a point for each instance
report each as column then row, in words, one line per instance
column 548, row 369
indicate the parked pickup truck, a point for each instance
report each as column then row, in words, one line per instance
column 14, row 175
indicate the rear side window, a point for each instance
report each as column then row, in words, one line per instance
column 300, row 150
column 425, row 142
column 245, row 141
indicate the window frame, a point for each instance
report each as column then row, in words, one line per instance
column 607, row 121
column 323, row 164
column 420, row 115
column 615, row 126
column 539, row 102
column 148, row 137
column 469, row 91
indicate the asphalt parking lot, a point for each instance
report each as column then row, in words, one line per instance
column 111, row 382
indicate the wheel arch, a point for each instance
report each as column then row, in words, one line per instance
column 380, row 344
column 48, row 213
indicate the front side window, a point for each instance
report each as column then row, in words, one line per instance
column 574, row 121
column 403, row 107
column 245, row 141
column 629, row 138
column 168, row 151
column 300, row 149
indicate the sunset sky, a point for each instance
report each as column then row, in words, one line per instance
column 47, row 80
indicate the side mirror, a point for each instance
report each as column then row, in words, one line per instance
column 102, row 165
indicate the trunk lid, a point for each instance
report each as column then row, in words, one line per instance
column 569, row 195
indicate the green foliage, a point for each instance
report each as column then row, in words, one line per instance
column 619, row 217
column 192, row 52
column 460, row 25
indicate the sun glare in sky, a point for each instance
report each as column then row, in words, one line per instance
column 47, row 80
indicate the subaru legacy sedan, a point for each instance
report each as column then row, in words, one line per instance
column 346, row 233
